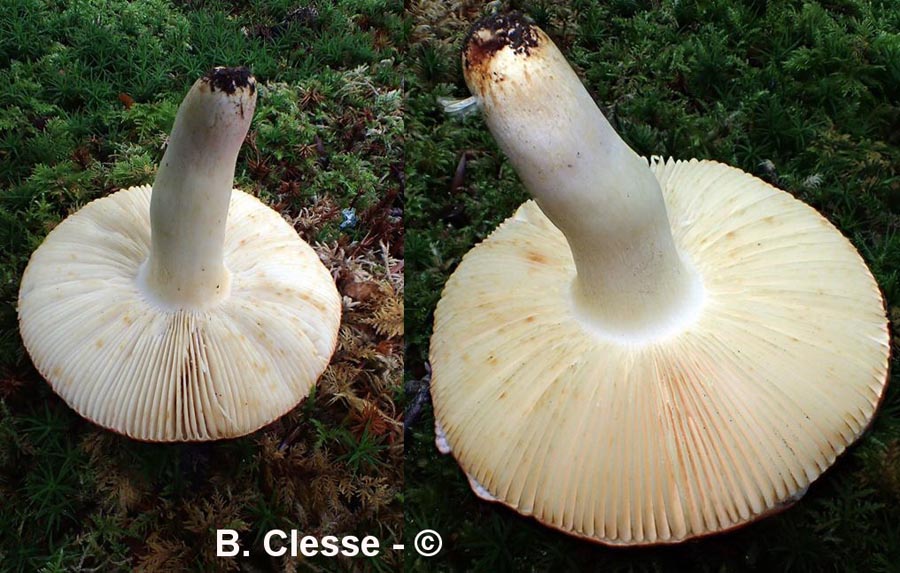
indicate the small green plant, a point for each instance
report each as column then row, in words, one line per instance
column 52, row 487
column 362, row 452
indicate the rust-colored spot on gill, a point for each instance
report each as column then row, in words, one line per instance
column 536, row 258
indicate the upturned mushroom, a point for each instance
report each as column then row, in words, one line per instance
column 187, row 311
column 649, row 351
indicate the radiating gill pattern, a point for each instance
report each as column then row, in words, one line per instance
column 710, row 428
column 181, row 374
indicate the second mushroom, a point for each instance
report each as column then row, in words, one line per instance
column 648, row 351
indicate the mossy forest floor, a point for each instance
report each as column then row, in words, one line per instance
column 801, row 93
column 88, row 93
column 805, row 94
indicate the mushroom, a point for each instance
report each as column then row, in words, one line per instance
column 185, row 312
column 648, row 351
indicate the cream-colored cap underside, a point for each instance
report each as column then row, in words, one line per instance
column 703, row 431
column 157, row 375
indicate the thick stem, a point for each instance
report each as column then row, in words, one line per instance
column 192, row 191
column 631, row 280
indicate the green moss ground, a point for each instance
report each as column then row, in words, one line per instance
column 88, row 92
column 802, row 94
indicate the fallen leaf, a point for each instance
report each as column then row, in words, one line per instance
column 126, row 100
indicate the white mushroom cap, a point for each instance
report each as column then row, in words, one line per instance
column 749, row 386
column 238, row 351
